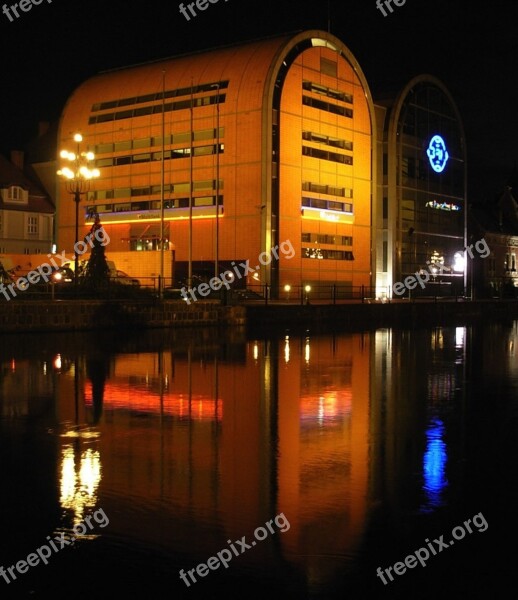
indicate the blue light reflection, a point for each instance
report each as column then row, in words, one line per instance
column 434, row 465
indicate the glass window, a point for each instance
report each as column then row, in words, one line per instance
column 32, row 225
column 328, row 67
column 142, row 143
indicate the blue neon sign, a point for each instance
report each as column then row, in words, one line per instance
column 437, row 153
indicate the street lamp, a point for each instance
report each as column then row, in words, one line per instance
column 216, row 253
column 77, row 175
column 307, row 289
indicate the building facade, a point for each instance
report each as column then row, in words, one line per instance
column 26, row 212
column 421, row 220
column 215, row 158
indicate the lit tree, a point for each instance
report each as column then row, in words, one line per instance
column 97, row 272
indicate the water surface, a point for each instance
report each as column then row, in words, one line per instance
column 363, row 446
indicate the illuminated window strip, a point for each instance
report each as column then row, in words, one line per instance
column 186, row 91
column 150, row 205
column 323, row 254
column 138, row 159
column 157, row 109
column 320, row 204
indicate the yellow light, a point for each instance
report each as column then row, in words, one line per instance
column 78, row 137
column 68, row 173
column 314, row 215
column 96, row 173
column 84, row 171
column 78, row 490
column 157, row 219
column 90, row 155
column 64, row 154
column 71, row 156
column 308, row 288
column 329, row 216
column 287, row 287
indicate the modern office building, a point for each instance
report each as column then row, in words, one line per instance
column 421, row 200
column 283, row 136
column 220, row 156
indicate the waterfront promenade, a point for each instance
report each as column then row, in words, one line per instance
column 84, row 315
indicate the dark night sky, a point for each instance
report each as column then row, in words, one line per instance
column 52, row 48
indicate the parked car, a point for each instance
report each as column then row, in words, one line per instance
column 63, row 275
column 122, row 277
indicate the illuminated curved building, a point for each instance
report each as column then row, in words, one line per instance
column 278, row 133
column 421, row 196
column 284, row 132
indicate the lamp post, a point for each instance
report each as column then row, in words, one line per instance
column 216, row 253
column 77, row 175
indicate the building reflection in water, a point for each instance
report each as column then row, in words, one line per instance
column 80, row 468
column 80, row 479
column 434, row 464
column 218, row 438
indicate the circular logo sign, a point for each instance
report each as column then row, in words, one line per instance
column 437, row 154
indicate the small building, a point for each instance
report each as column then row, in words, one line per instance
column 496, row 274
column 26, row 211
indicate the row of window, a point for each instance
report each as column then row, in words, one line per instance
column 195, row 89
column 153, row 156
column 145, row 205
column 326, row 155
column 321, row 238
column 15, row 193
column 143, row 245
column 316, row 88
column 318, row 188
column 321, row 204
column 327, row 254
column 327, row 106
column 150, row 190
column 318, row 138
column 32, row 225
column 510, row 262
column 149, row 142
column 157, row 109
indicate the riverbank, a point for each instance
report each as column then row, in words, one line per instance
column 258, row 318
column 85, row 315
column 358, row 316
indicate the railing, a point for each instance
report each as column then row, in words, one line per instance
column 335, row 293
column 306, row 294
column 150, row 287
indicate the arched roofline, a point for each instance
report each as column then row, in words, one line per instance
column 403, row 95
